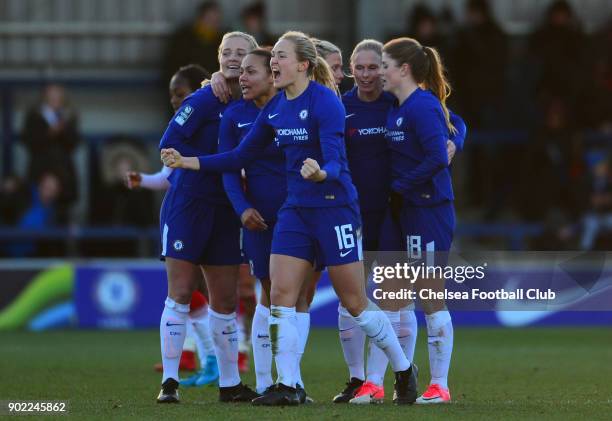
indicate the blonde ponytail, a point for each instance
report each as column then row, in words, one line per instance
column 322, row 74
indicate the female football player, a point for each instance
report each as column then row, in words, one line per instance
column 417, row 132
column 198, row 228
column 332, row 55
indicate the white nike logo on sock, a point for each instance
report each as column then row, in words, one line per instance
column 271, row 116
column 241, row 125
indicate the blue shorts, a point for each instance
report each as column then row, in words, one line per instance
column 420, row 229
column 199, row 232
column 327, row 236
column 257, row 246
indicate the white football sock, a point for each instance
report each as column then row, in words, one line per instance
column 408, row 331
column 377, row 326
column 284, row 338
column 225, row 337
column 377, row 360
column 303, row 328
column 172, row 328
column 190, row 343
column 243, row 343
column 352, row 339
column 262, row 350
column 203, row 339
column 440, row 345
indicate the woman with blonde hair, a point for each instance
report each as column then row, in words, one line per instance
column 199, row 232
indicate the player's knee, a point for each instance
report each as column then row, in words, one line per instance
column 180, row 294
column 225, row 304
column 354, row 306
column 280, row 295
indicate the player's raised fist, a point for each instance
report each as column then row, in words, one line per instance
column 311, row 171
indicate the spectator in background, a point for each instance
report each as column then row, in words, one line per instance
column 13, row 200
column 598, row 217
column 550, row 173
column 195, row 42
column 600, row 104
column 478, row 67
column 39, row 214
column 113, row 204
column 50, row 135
column 558, row 49
column 478, row 73
column 254, row 22
column 422, row 25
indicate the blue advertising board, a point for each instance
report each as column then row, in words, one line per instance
column 126, row 296
column 130, row 295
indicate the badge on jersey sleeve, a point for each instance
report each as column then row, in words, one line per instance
column 184, row 115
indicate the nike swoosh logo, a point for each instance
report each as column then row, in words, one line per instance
column 344, row 330
column 526, row 313
column 262, row 336
column 344, row 254
column 241, row 125
column 174, row 324
column 228, row 333
column 271, row 116
column 350, row 115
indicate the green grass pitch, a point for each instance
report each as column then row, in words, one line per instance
column 495, row 374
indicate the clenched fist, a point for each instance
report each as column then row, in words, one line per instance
column 253, row 221
column 311, row 171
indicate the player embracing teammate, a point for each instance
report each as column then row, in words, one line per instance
column 418, row 129
column 378, row 166
column 199, row 232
